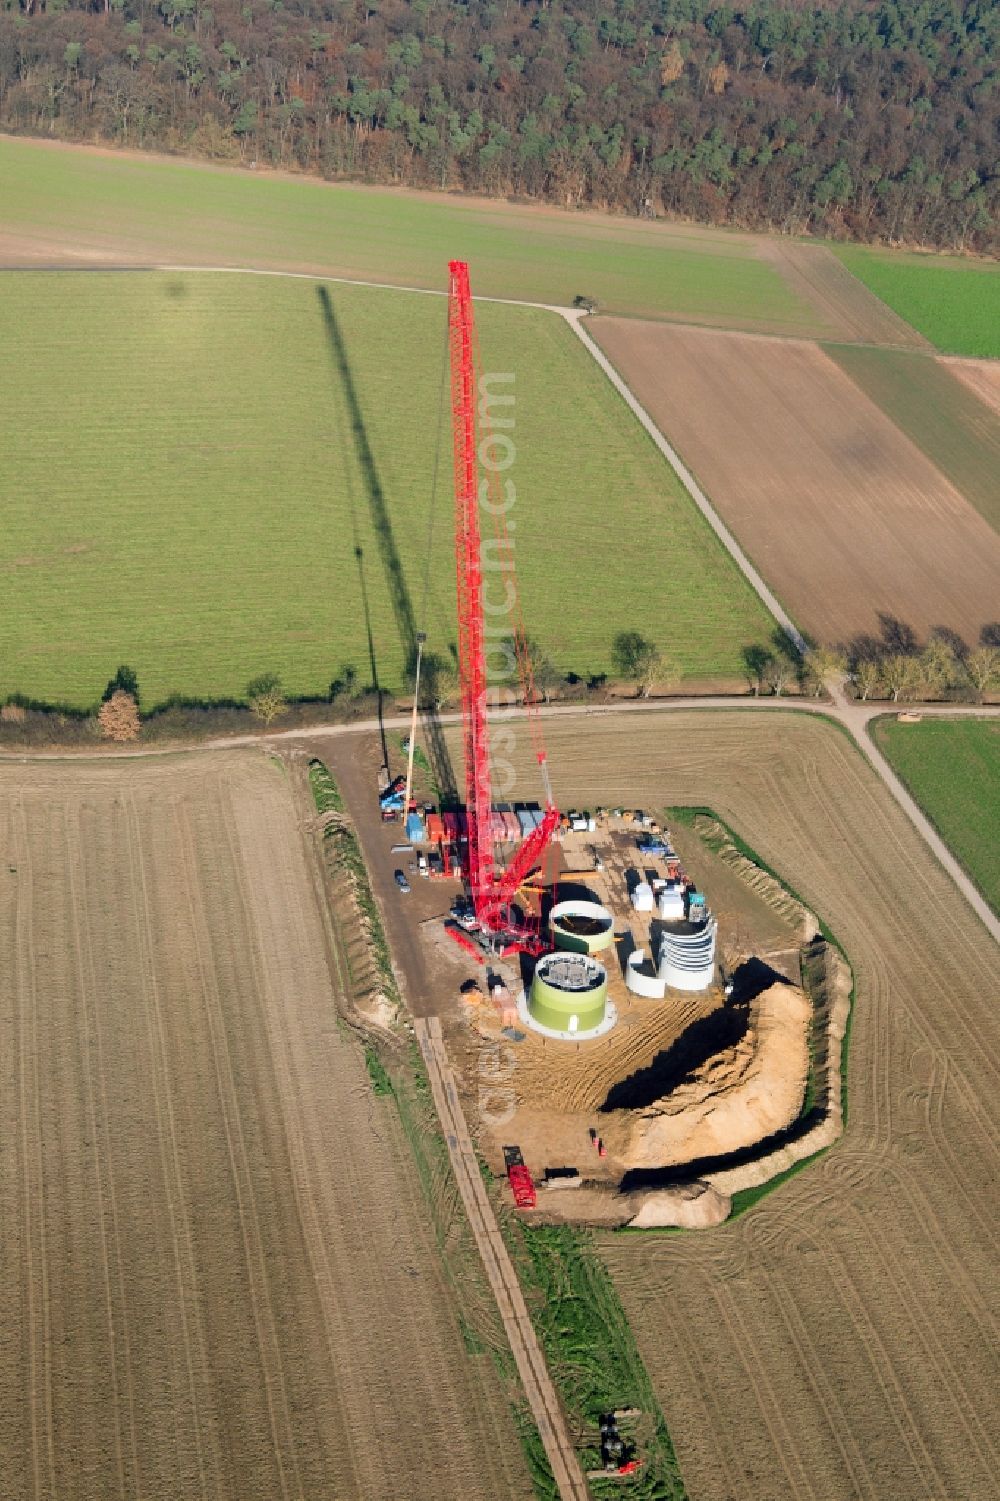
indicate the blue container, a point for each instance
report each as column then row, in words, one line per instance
column 415, row 831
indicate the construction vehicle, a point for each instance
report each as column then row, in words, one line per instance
column 618, row 1454
column 521, row 1182
column 653, row 845
column 392, row 791
column 504, row 926
column 464, row 913
column 391, row 798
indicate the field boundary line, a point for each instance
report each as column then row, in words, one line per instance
column 687, row 479
column 342, row 281
column 865, row 741
column 503, row 1280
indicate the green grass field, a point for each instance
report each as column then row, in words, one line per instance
column 134, row 209
column 954, row 303
column 186, row 483
column 957, row 431
column 952, row 767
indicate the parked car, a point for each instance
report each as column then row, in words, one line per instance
column 464, row 913
column 402, row 882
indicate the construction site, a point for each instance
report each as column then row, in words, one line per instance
column 639, row 1015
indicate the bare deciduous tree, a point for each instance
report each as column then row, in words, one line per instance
column 779, row 672
column 439, row 681
column 638, row 659
column 266, row 698
column 119, row 717
column 982, row 668
column 823, row 662
column 867, row 678
column 545, row 676
column 940, row 667
column 902, row 675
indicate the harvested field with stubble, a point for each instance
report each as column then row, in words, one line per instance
column 839, row 1339
column 842, row 513
column 220, row 1276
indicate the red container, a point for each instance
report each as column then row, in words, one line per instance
column 523, row 1186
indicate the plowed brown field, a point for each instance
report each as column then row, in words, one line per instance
column 841, row 512
column 219, row 1276
column 840, row 1339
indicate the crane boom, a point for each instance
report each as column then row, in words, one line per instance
column 492, row 894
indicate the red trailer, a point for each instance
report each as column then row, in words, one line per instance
column 521, row 1182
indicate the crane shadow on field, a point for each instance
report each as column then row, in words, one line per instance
column 381, row 522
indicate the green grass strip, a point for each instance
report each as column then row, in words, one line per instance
column 954, row 303
column 952, row 768
column 326, row 793
column 591, row 1352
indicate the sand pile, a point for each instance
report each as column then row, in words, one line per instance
column 735, row 1099
column 693, row 1206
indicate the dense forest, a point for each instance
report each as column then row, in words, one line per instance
column 874, row 119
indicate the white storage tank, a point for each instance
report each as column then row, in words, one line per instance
column 687, row 956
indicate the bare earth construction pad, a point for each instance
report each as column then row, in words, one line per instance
column 842, row 514
column 839, row 1340
column 219, row 1274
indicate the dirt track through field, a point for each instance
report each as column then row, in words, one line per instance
column 852, row 311
column 221, row 1278
column 839, row 1340
column 841, row 513
column 531, row 1366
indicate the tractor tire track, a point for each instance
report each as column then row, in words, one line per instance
column 92, row 1072
column 35, row 1282
column 181, row 1235
column 241, row 1179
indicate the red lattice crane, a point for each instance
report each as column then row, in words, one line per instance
column 493, row 891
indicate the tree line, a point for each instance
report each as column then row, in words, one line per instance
column 871, row 119
column 895, row 665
